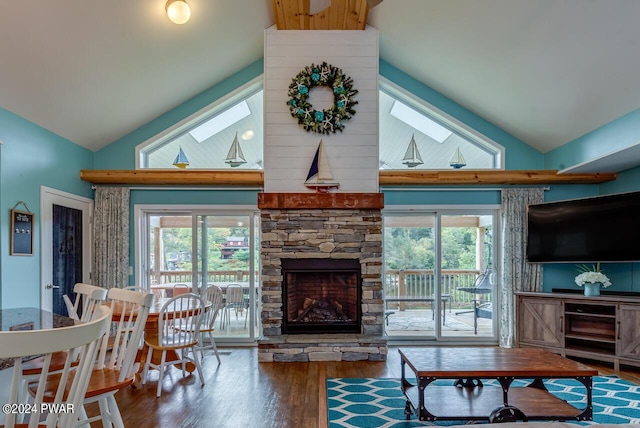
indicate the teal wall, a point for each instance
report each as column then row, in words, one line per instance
column 121, row 153
column 615, row 135
column 32, row 157
column 518, row 154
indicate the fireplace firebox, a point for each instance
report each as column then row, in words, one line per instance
column 321, row 296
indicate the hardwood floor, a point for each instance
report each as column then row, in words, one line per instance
column 244, row 393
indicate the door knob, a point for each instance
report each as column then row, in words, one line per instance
column 51, row 286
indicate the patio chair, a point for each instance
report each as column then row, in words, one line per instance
column 234, row 300
column 482, row 286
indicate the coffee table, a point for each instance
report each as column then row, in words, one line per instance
column 465, row 397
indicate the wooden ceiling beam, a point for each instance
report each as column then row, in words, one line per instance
column 340, row 15
column 387, row 178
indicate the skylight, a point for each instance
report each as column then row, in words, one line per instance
column 220, row 122
column 419, row 121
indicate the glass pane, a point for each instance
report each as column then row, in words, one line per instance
column 468, row 280
column 170, row 261
column 409, row 261
column 224, row 252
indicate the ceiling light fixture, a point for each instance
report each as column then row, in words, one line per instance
column 178, row 11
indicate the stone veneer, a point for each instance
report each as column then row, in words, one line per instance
column 341, row 226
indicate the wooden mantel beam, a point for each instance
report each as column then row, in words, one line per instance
column 387, row 178
column 490, row 177
column 174, row 177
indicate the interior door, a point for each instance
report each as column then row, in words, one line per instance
column 66, row 246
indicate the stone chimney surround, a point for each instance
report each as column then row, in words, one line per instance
column 321, row 226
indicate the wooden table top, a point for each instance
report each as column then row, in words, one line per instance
column 491, row 362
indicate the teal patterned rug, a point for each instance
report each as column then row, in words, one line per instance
column 377, row 403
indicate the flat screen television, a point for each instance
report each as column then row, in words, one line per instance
column 598, row 229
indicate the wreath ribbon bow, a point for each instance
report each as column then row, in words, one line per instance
column 327, row 120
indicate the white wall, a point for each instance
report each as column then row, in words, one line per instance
column 289, row 149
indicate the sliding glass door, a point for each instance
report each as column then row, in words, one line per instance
column 200, row 249
column 439, row 275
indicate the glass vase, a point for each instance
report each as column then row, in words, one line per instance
column 592, row 289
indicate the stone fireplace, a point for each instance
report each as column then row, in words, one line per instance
column 330, row 247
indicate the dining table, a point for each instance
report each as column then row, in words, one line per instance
column 29, row 318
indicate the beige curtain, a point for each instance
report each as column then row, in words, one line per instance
column 111, row 237
column 517, row 273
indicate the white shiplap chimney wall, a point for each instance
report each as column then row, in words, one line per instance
column 289, row 149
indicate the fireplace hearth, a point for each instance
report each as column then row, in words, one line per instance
column 321, row 296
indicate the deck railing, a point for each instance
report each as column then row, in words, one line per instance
column 406, row 283
column 420, row 283
column 213, row 276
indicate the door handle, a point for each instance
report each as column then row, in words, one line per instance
column 51, row 286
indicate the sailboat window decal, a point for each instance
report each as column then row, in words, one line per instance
column 412, row 156
column 181, row 160
column 235, row 157
column 457, row 161
column 320, row 178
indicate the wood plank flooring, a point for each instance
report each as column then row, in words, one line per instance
column 244, row 393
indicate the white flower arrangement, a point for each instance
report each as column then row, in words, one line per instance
column 592, row 275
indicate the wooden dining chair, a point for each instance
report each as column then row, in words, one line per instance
column 175, row 333
column 81, row 340
column 87, row 296
column 115, row 371
column 214, row 296
column 88, row 300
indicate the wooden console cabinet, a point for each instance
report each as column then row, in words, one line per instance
column 604, row 328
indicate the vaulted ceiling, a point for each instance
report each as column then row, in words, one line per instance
column 546, row 71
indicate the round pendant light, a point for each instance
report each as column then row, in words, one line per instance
column 178, row 11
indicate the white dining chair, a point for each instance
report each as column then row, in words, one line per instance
column 179, row 323
column 115, row 370
column 64, row 389
column 213, row 296
column 87, row 296
column 88, row 300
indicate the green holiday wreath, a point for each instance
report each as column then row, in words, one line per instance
column 328, row 120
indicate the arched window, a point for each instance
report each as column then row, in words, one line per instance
column 416, row 135
column 230, row 126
